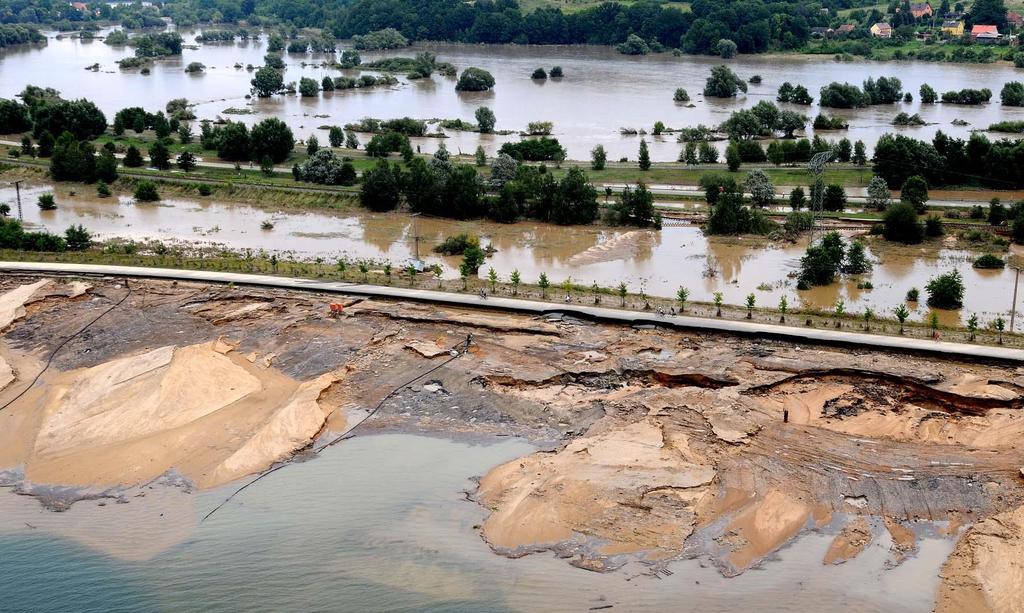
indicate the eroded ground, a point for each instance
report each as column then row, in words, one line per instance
column 658, row 444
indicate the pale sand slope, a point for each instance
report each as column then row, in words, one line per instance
column 12, row 303
column 986, row 570
column 544, row 498
column 997, row 428
column 199, row 409
column 6, row 373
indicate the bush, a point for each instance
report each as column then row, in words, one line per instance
column 633, row 45
column 903, row 119
column 680, row 95
column 842, row 96
column 967, row 96
column 474, row 80
column 46, row 202
column 145, row 191
column 556, row 72
column 77, row 238
column 1012, row 94
column 457, row 245
column 913, row 295
column 1012, row 127
column 989, row 261
column 946, row 291
column 723, row 83
column 830, row 122
column 539, row 74
column 900, row 224
column 388, row 38
column 933, row 226
column 534, row 150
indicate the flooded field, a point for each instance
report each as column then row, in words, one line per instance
column 659, row 262
column 365, row 526
column 602, row 90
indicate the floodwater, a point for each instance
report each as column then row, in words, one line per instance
column 380, row 523
column 658, row 262
column 602, row 90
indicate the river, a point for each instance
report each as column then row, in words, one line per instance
column 380, row 523
column 658, row 262
column 602, row 90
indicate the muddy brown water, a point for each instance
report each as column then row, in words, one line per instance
column 658, row 262
column 381, row 523
column 602, row 90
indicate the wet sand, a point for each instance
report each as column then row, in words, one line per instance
column 656, row 445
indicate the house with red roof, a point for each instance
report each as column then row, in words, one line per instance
column 985, row 34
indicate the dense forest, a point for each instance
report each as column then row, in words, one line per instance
column 754, row 25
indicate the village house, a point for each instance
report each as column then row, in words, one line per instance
column 953, row 27
column 846, row 28
column 881, row 30
column 985, row 34
column 920, row 9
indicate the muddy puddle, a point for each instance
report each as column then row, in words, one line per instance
column 380, row 523
column 657, row 262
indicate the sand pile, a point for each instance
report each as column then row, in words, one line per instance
column 626, row 490
column 199, row 409
column 12, row 303
column 986, row 570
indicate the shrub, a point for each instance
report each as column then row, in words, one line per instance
column 723, row 83
column 933, row 226
column 830, row 122
column 474, row 80
column 539, row 74
column 457, row 245
column 534, row 149
column 946, row 291
column 913, row 295
column 989, row 261
column 145, row 191
column 900, row 224
column 46, row 202
column 680, row 95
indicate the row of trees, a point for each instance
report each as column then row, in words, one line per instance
column 951, row 161
column 270, row 139
column 439, row 187
column 43, row 110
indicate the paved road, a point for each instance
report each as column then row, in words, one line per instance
column 794, row 334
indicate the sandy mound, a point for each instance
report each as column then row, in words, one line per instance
column 12, row 303
column 986, row 570
column 850, row 541
column 763, row 527
column 843, row 407
column 208, row 414
column 591, row 487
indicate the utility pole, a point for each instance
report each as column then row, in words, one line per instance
column 1013, row 309
column 416, row 243
column 17, row 191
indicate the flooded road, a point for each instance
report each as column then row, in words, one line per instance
column 602, row 90
column 657, row 262
column 380, row 523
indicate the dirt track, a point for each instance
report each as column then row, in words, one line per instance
column 662, row 444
